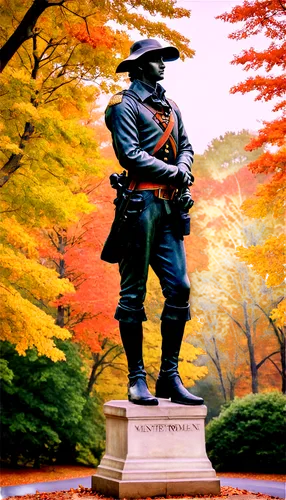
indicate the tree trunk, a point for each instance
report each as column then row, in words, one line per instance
column 23, row 32
column 60, row 321
column 216, row 361
column 219, row 370
column 92, row 378
column 281, row 337
column 10, row 167
column 231, row 389
column 283, row 359
column 14, row 161
column 253, row 366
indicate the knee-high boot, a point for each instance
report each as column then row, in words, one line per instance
column 132, row 340
column 169, row 383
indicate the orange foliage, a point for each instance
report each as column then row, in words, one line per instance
column 273, row 133
column 92, row 306
column 266, row 16
column 90, row 309
column 269, row 162
column 96, row 36
column 28, row 475
column 267, row 87
column 269, row 58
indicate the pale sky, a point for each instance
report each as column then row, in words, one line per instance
column 200, row 86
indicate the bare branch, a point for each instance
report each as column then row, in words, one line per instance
column 265, row 359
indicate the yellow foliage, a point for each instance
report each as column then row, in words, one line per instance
column 26, row 326
column 189, row 372
column 279, row 314
column 267, row 260
column 18, row 236
column 20, row 75
column 25, row 109
column 29, row 275
column 112, row 384
column 269, row 198
column 6, row 145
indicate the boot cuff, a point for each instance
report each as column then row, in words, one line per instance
column 176, row 313
column 128, row 315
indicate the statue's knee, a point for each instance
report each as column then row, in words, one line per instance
column 181, row 293
column 130, row 313
column 178, row 294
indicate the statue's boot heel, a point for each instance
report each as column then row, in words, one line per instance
column 173, row 386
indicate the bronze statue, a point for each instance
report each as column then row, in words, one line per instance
column 151, row 219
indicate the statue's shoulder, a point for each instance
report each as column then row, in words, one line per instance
column 115, row 99
column 173, row 104
column 123, row 98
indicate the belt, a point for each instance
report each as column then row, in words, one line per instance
column 163, row 192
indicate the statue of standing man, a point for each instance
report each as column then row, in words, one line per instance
column 151, row 144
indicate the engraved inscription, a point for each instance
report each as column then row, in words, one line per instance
column 167, row 427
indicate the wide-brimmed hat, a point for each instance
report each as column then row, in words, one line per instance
column 139, row 49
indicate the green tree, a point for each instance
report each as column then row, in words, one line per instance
column 46, row 415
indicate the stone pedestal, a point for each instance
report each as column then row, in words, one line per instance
column 154, row 450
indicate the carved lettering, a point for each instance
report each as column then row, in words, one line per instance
column 168, row 427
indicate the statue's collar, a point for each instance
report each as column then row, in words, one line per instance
column 143, row 90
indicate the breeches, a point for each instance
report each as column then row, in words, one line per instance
column 152, row 241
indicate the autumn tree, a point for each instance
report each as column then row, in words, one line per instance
column 89, row 311
column 228, row 294
column 30, row 203
column 266, row 18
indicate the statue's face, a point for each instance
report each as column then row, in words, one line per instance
column 153, row 69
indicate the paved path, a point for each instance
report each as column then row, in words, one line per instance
column 25, row 489
column 273, row 488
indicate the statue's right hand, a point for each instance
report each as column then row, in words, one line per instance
column 184, row 176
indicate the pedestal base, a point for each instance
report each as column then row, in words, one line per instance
column 156, row 450
column 143, row 489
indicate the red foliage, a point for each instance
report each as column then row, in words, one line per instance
column 269, row 58
column 267, row 87
column 243, row 181
column 96, row 36
column 268, row 18
column 97, row 283
column 273, row 133
column 269, row 162
column 89, row 311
